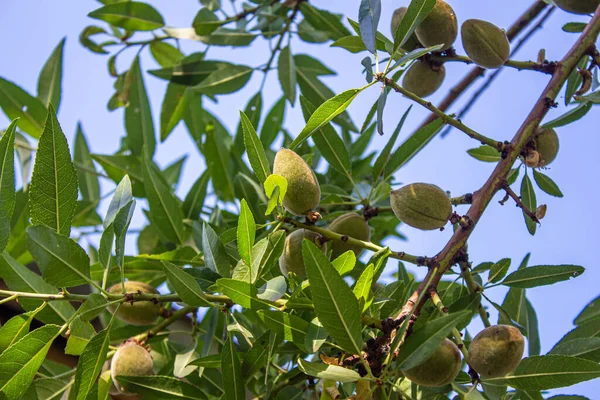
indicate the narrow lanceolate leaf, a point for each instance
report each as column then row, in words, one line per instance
column 335, row 304
column 243, row 293
column 549, row 372
column 499, row 270
column 273, row 122
column 417, row 11
column 591, row 311
column 228, row 79
column 412, row 146
column 62, row 261
column 542, row 275
column 88, row 180
column 173, row 108
column 231, row 370
column 286, row 70
column 324, row 114
column 165, row 209
column 192, row 205
column 369, row 13
column 185, row 285
column 545, row 183
column 53, row 192
column 485, row 153
column 90, row 364
column 587, row 348
column 131, row 15
column 162, row 387
column 215, row 255
column 123, row 196
column 20, row 363
column 324, row 371
column 138, row 115
column 291, row 327
column 18, row 326
column 7, row 182
column 423, row 342
column 362, row 288
column 570, row 116
column 529, row 201
column 384, row 156
column 50, row 79
column 17, row 103
column 217, row 158
column 246, row 232
column 254, row 148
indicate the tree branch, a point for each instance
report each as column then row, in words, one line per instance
column 546, row 67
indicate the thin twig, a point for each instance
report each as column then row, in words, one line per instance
column 517, row 199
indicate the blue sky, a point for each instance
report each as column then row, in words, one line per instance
column 568, row 234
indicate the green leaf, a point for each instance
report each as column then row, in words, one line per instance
column 587, row 348
column 485, row 153
column 138, row 115
column 574, row 27
column 542, row 275
column 88, row 180
column 253, row 111
column 345, row 262
column 20, row 363
column 217, row 160
column 17, row 103
column 194, row 201
column 131, row 15
column 162, row 387
column 229, row 37
column 246, row 232
column 212, row 361
column 324, row 21
column 529, row 201
column 45, row 388
column 571, row 116
column 324, row 114
column 254, row 148
column 412, row 146
column 499, row 270
column 7, row 182
column 423, row 342
column 120, row 225
column 172, row 172
column 173, row 108
column 286, row 69
column 17, row 327
column 185, row 285
column 324, row 371
column 311, row 65
column 417, row 11
column 545, row 183
column 273, row 290
column 335, row 304
column 272, row 183
column 215, row 255
column 90, row 364
column 369, row 14
column 206, row 22
column 228, row 79
column 242, row 293
column 231, row 368
column 384, row 156
column 165, row 54
column 165, row 208
column 120, row 199
column 50, row 79
column 62, row 261
column 273, row 123
column 354, row 44
column 266, row 253
column 549, row 372
column 362, row 288
column 53, row 193
column 590, row 312
column 291, row 327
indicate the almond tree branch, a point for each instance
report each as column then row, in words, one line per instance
column 546, row 67
column 510, row 193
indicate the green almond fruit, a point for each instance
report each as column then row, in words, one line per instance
column 139, row 313
column 292, row 260
column 440, row 369
column 412, row 42
column 578, row 6
column 546, row 143
column 352, row 225
column 303, row 191
column 421, row 205
column 496, row 351
column 440, row 27
column 485, row 43
column 423, row 79
column 130, row 359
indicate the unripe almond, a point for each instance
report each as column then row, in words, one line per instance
column 412, row 42
column 423, row 79
column 546, row 143
column 440, row 27
column 352, row 225
column 138, row 313
column 130, row 359
column 421, row 205
column 578, row 6
column 485, row 43
column 303, row 191
column 440, row 369
column 496, row 351
column 292, row 260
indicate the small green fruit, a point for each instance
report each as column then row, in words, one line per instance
column 138, row 313
column 439, row 369
column 130, row 359
column 303, row 191
column 440, row 27
column 421, row 205
column 578, row 6
column 485, row 43
column 412, row 42
column 496, row 351
column 292, row 260
column 546, row 143
column 423, row 78
column 352, row 225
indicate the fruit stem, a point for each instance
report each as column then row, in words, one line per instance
column 437, row 301
column 546, row 67
column 165, row 323
column 473, row 287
